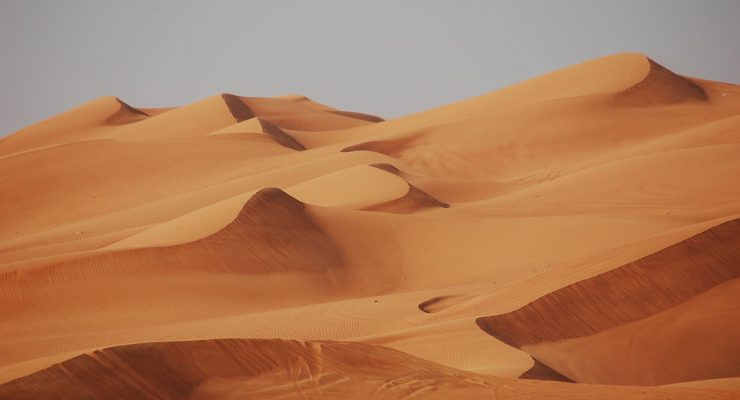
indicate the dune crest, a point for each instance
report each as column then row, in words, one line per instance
column 126, row 114
column 661, row 86
column 259, row 125
column 272, row 232
column 416, row 199
column 238, row 109
column 572, row 231
column 642, row 289
column 229, row 368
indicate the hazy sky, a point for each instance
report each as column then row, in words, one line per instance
column 384, row 57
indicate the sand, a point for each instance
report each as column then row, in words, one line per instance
column 581, row 226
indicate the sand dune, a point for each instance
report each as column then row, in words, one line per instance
column 271, row 369
column 661, row 86
column 586, row 220
column 664, row 283
column 643, row 352
column 257, row 125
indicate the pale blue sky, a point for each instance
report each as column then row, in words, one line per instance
column 384, row 57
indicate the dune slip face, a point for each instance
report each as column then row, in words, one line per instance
column 272, row 369
column 573, row 236
column 660, row 283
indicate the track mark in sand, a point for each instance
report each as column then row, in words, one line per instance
column 428, row 306
column 442, row 303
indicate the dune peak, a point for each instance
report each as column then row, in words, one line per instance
column 581, row 226
column 661, row 86
column 238, row 109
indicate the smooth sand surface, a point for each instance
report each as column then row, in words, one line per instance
column 580, row 226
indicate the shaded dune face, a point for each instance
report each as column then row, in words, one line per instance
column 257, row 125
column 393, row 148
column 135, row 242
column 693, row 341
column 125, row 115
column 641, row 289
column 303, row 114
column 570, row 126
column 660, row 87
column 207, row 369
column 279, row 136
column 273, row 232
column 364, row 117
column 540, row 371
column 416, row 199
column 278, row 369
column 238, row 109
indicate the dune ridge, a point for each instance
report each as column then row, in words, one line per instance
column 238, row 109
column 272, row 232
column 581, row 227
column 643, row 352
column 125, row 115
column 647, row 287
column 226, row 368
column 257, row 125
column 414, row 200
column 661, row 86
column 637, row 290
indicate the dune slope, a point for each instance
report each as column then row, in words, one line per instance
column 272, row 369
column 659, row 283
column 581, row 226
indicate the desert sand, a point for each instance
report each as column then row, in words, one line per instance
column 572, row 236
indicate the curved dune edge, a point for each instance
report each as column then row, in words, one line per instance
column 279, row 136
column 427, row 306
column 303, row 114
column 387, row 168
column 238, row 109
column 635, row 291
column 357, row 115
column 355, row 187
column 646, row 351
column 661, row 86
column 78, row 123
column 542, row 372
column 261, row 126
column 271, row 369
column 126, row 114
column 415, row 200
column 125, row 228
column 448, row 304
column 280, row 234
column 391, row 147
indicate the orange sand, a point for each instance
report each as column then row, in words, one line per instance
column 586, row 218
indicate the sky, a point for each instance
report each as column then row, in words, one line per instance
column 388, row 58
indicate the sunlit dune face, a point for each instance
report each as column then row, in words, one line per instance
column 563, row 234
